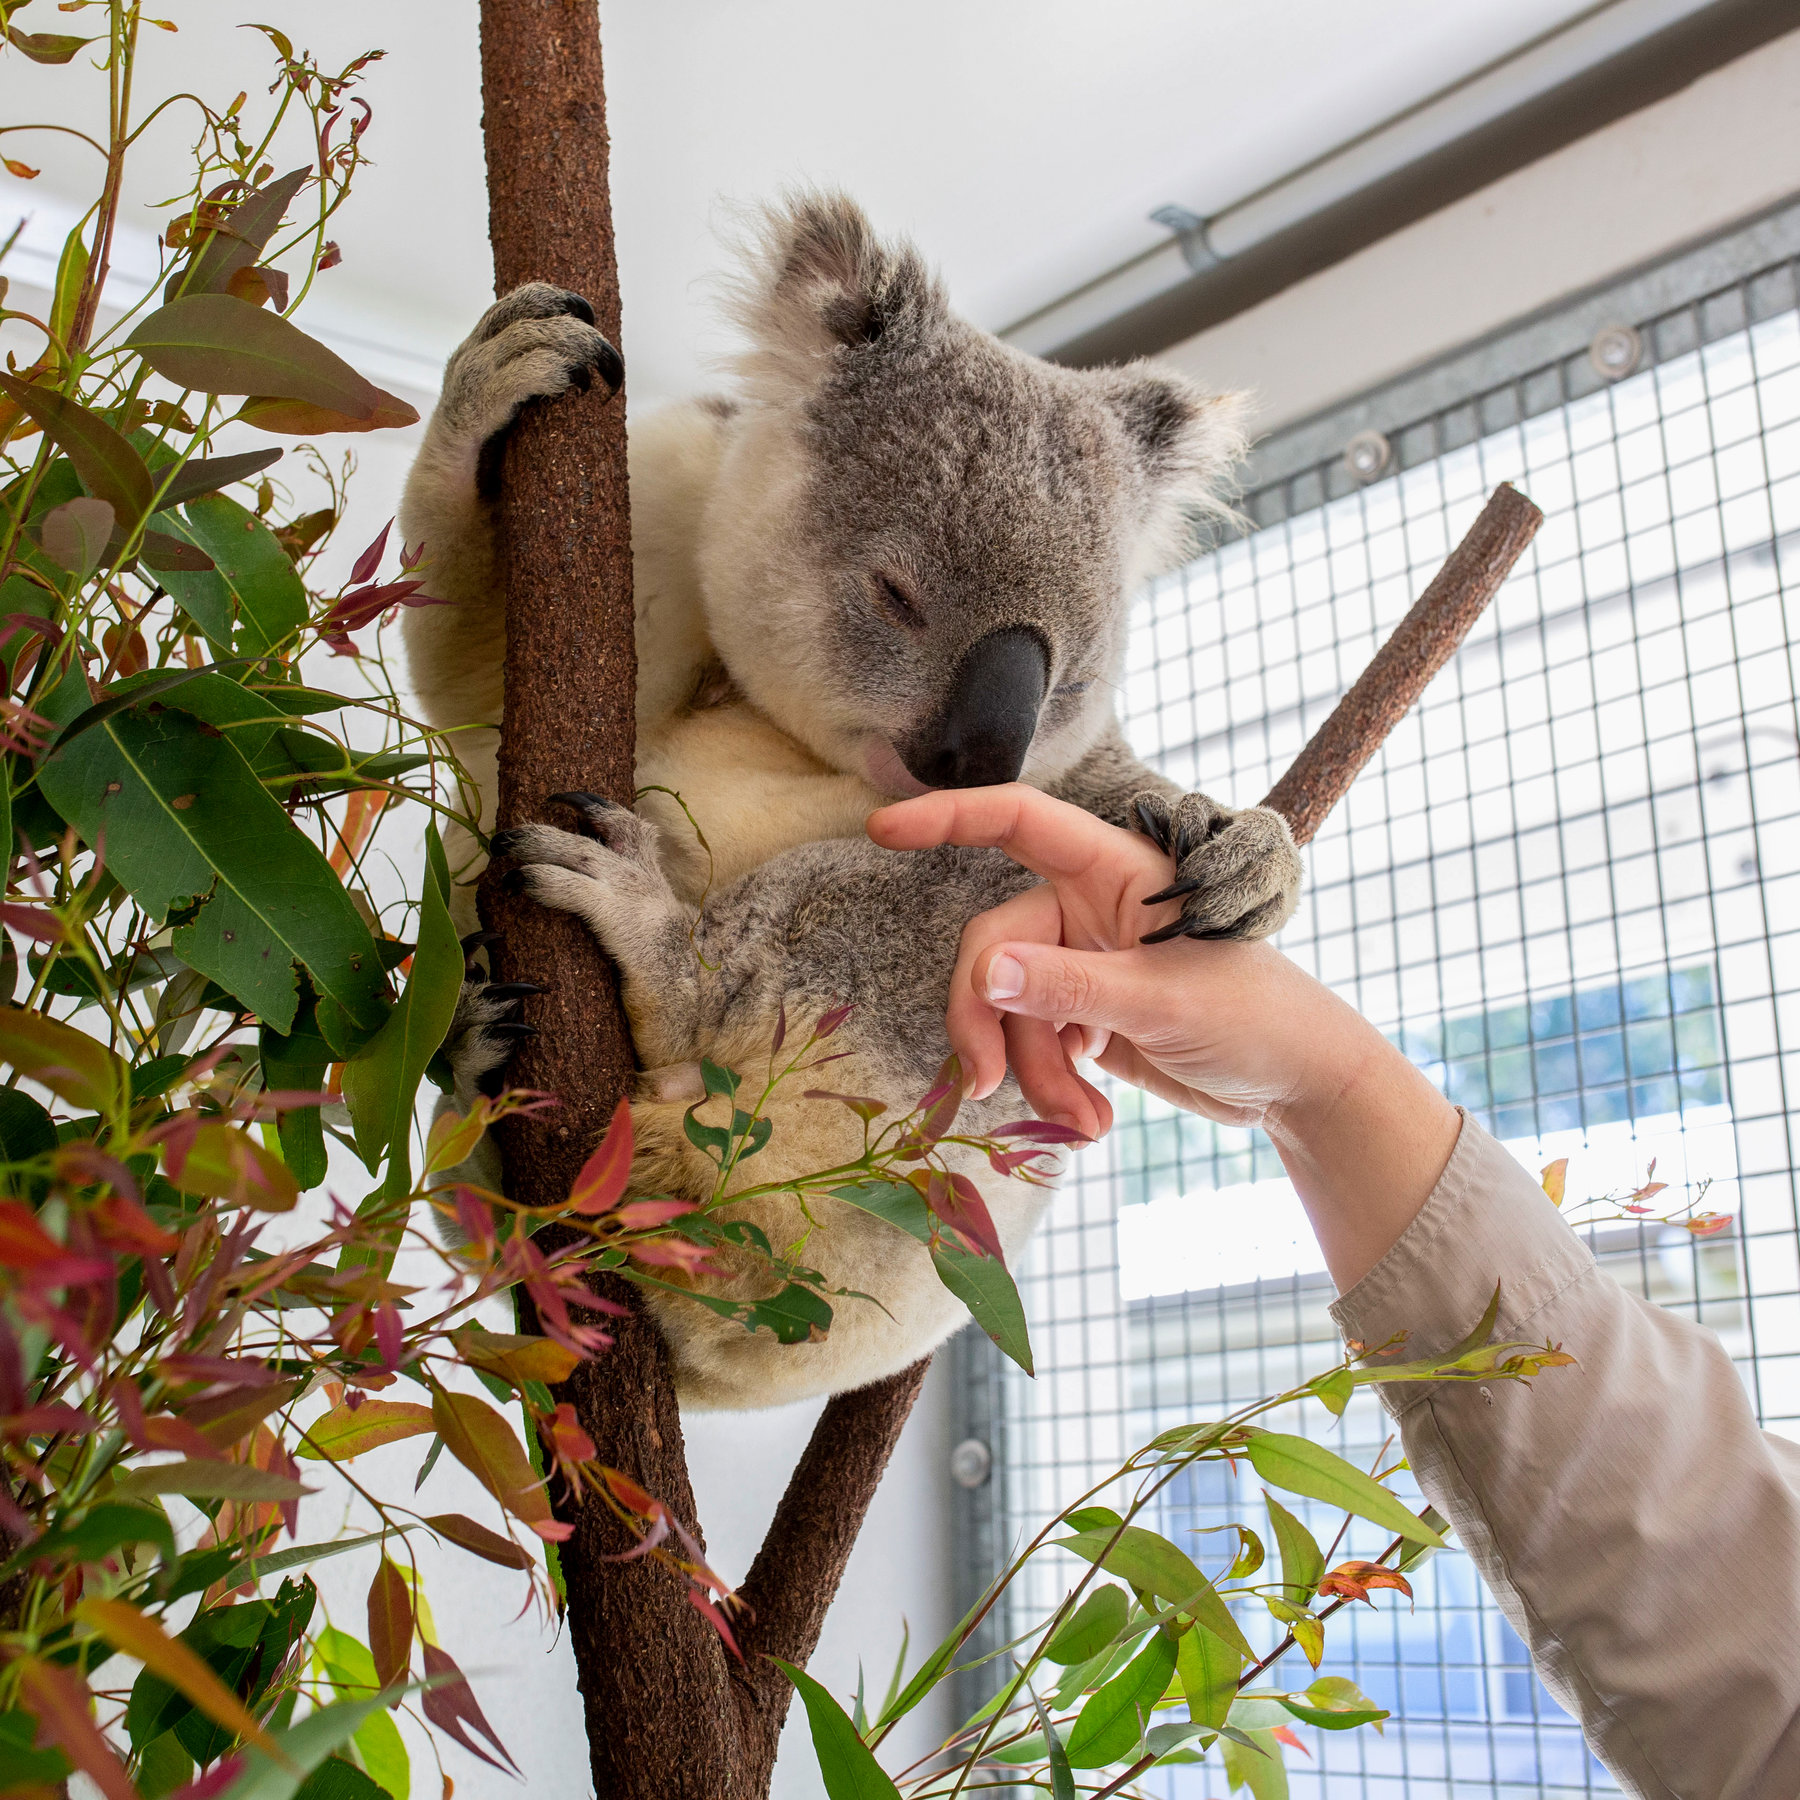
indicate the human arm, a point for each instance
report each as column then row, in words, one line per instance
column 1640, row 1532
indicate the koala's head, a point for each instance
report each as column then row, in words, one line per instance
column 919, row 554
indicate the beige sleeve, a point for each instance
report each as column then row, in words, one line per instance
column 1638, row 1529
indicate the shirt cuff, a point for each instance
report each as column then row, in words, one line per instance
column 1486, row 1222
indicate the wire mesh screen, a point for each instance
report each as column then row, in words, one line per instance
column 1569, row 887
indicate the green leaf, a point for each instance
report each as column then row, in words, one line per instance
column 298, row 1062
column 1113, row 1722
column 1303, row 1467
column 233, row 1569
column 109, row 468
column 1302, row 1561
column 305, row 1746
column 20, row 1764
column 1092, row 1518
column 252, row 598
column 1062, row 1777
column 793, row 1315
column 26, row 1130
column 71, row 266
column 1209, row 1669
column 981, row 1283
column 381, row 1083
column 47, row 47
column 191, row 832
column 1334, row 1390
column 846, row 1763
column 243, row 234
column 336, row 1779
column 985, row 1287
column 102, row 1531
column 206, row 475
column 1339, row 1694
column 223, row 345
column 209, row 1481
column 1155, row 1565
column 1257, row 1767
column 1095, row 1623
column 1332, row 1718
column 163, row 1766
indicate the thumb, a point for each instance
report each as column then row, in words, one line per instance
column 1107, row 988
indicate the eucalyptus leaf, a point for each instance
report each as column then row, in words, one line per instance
column 191, row 832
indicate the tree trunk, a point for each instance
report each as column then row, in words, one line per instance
column 570, row 707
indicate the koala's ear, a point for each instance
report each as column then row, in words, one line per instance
column 818, row 283
column 1185, row 442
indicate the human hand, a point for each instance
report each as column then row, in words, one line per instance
column 1229, row 1029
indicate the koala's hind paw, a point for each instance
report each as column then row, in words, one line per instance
column 484, row 1032
column 611, row 878
column 1237, row 874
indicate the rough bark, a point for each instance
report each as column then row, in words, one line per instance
column 796, row 1573
column 657, row 1706
column 1399, row 672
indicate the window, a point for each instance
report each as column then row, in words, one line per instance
column 1569, row 888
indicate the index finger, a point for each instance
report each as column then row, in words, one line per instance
column 1048, row 837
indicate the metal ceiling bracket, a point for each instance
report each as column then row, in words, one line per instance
column 1190, row 233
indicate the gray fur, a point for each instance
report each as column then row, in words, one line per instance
column 815, row 557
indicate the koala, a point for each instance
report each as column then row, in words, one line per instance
column 899, row 556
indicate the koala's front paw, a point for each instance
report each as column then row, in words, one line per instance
column 1237, row 874
column 536, row 342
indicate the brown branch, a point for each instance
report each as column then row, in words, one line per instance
column 796, row 1573
column 658, row 1710
column 1401, row 669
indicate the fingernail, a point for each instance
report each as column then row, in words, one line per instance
column 1005, row 978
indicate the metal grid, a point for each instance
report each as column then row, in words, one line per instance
column 1569, row 887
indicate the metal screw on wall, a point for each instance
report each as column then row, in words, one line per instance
column 1367, row 456
column 970, row 1463
column 1615, row 352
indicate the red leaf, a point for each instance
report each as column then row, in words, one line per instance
column 1707, row 1223
column 61, row 1703
column 370, row 560
column 958, row 1203
column 122, row 1224
column 34, row 921
column 1041, row 1131
column 941, row 1105
column 479, row 1541
column 709, row 1610
column 27, row 1247
column 567, row 1441
column 673, row 1253
column 601, row 1183
column 390, row 1624
column 640, row 1215
column 829, row 1022
column 1284, row 1734
column 862, row 1105
column 449, row 1704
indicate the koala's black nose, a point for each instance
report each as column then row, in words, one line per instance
column 986, row 725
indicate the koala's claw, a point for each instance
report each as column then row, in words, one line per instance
column 484, row 1034
column 1237, row 873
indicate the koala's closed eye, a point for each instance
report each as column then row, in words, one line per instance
column 897, row 605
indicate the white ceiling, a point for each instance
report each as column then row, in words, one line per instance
column 1022, row 142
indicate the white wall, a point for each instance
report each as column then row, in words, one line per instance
column 1718, row 151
